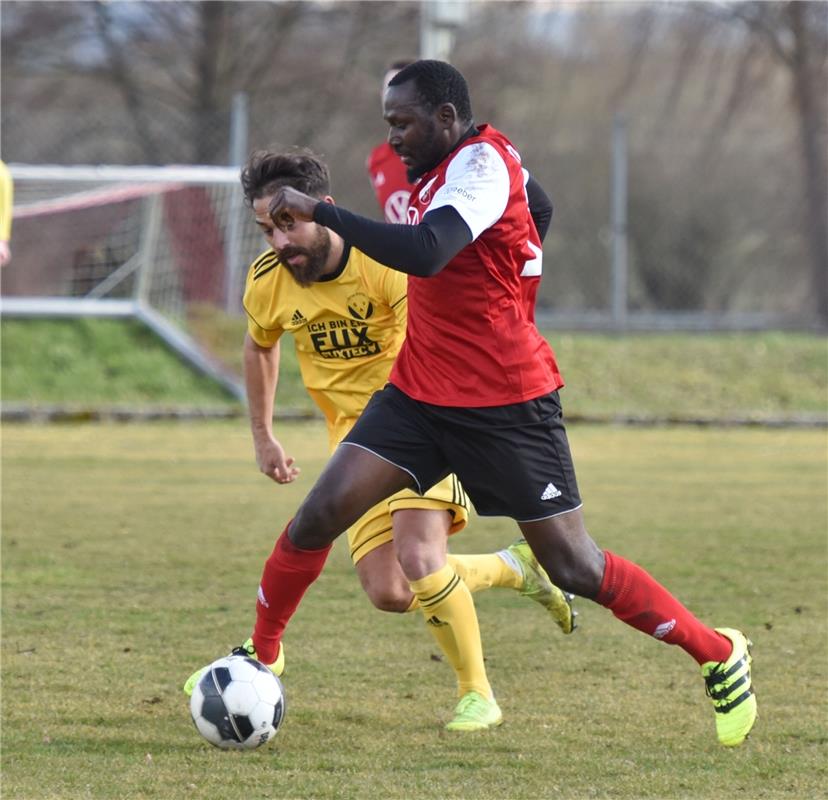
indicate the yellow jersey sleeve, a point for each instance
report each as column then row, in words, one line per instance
column 260, row 304
column 394, row 288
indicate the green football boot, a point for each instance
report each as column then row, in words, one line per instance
column 728, row 685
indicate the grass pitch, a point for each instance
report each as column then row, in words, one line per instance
column 131, row 556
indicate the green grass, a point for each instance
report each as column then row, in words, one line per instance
column 757, row 376
column 89, row 361
column 702, row 376
column 130, row 555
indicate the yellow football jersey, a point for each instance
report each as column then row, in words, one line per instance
column 348, row 329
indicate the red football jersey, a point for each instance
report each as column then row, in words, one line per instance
column 389, row 182
column 470, row 339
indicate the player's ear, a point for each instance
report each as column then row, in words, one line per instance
column 447, row 115
column 328, row 199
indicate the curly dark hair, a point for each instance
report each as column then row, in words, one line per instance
column 437, row 82
column 266, row 171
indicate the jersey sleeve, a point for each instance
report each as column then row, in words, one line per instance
column 262, row 336
column 262, row 329
column 476, row 186
column 395, row 289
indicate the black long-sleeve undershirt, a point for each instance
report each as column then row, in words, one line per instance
column 423, row 249
column 540, row 207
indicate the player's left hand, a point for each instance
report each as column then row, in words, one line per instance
column 272, row 460
column 290, row 205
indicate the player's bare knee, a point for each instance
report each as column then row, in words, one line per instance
column 315, row 525
column 387, row 596
column 580, row 573
column 389, row 599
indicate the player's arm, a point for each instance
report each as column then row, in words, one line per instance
column 421, row 250
column 261, row 376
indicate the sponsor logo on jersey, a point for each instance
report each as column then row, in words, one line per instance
column 464, row 193
column 342, row 338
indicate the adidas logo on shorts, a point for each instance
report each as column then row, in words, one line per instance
column 550, row 492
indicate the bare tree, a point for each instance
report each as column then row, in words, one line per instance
column 797, row 34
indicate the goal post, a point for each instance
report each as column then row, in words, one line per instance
column 150, row 243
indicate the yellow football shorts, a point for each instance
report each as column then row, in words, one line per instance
column 373, row 528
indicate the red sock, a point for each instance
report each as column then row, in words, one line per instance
column 287, row 574
column 635, row 597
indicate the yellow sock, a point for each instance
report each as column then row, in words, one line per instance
column 447, row 605
column 484, row 571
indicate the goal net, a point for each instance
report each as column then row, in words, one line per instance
column 161, row 244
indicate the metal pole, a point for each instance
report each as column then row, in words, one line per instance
column 233, row 250
column 618, row 211
column 238, row 129
column 439, row 21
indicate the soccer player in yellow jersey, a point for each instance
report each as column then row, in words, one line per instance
column 347, row 315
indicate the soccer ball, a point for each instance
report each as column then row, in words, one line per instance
column 238, row 703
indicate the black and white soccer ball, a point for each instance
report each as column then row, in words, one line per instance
column 238, row 703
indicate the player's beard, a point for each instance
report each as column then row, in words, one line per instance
column 316, row 259
column 432, row 153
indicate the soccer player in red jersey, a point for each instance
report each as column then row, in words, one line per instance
column 392, row 187
column 474, row 390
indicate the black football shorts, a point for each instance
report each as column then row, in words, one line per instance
column 513, row 461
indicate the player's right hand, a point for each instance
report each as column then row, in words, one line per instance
column 272, row 461
column 289, row 205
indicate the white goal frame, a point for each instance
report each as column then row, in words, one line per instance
column 107, row 184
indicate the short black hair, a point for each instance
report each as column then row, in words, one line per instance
column 400, row 63
column 266, row 171
column 437, row 82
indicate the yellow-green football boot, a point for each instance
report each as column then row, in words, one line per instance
column 728, row 685
column 475, row 713
column 538, row 587
column 247, row 649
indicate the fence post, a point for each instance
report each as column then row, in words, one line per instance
column 618, row 211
